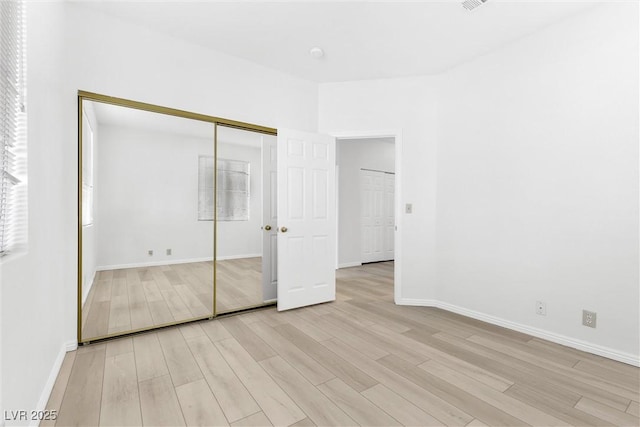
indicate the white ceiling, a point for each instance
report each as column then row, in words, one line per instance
column 361, row 39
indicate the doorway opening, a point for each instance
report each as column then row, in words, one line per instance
column 367, row 213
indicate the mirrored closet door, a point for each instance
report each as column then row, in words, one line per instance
column 146, row 254
column 171, row 229
column 246, row 180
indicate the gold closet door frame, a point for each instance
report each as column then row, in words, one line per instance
column 216, row 121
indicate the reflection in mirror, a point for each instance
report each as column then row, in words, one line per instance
column 147, row 259
column 246, row 227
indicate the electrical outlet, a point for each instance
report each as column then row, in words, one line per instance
column 408, row 208
column 541, row 308
column 168, row 251
column 589, row 318
column 150, row 252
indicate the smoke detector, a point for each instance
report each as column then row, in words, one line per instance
column 472, row 4
column 316, row 52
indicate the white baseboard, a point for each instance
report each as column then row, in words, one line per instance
column 172, row 261
column 86, row 289
column 152, row 263
column 349, row 264
column 417, row 302
column 228, row 257
column 53, row 375
column 599, row 350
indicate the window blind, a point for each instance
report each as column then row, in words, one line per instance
column 205, row 188
column 232, row 197
column 233, row 190
column 13, row 186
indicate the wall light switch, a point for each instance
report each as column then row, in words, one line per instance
column 408, row 208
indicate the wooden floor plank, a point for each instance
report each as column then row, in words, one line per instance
column 82, row 398
column 215, row 330
column 632, row 382
column 318, row 407
column 313, row 371
column 558, row 409
column 580, row 381
column 59, row 388
column 500, row 401
column 518, row 370
column 159, row 403
column 251, row 341
column 199, row 406
column 399, row 408
column 440, row 409
column 259, row 419
column 180, row 362
column 355, row 405
column 275, row 403
column 456, row 394
column 234, row 399
column 119, row 346
column 341, row 368
column 120, row 398
column 607, row 413
column 150, row 361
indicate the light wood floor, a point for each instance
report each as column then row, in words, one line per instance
column 238, row 283
column 137, row 298
column 360, row 360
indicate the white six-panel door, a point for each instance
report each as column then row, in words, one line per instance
column 377, row 215
column 269, row 218
column 389, row 216
column 372, row 209
column 306, row 219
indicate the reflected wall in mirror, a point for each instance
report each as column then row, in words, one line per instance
column 247, row 221
column 146, row 255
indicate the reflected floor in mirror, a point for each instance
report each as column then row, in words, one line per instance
column 239, row 283
column 135, row 298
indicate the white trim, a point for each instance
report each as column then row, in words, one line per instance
column 87, row 289
column 349, row 264
column 224, row 258
column 599, row 350
column 172, row 261
column 397, row 135
column 337, row 196
column 152, row 264
column 53, row 375
column 417, row 302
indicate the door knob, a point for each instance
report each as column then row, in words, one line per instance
column 283, row 229
column 267, row 227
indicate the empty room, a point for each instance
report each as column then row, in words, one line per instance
column 320, row 213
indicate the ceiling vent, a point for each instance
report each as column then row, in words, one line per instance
column 472, row 4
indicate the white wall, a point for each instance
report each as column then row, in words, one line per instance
column 70, row 49
column 538, row 181
column 38, row 287
column 89, row 241
column 242, row 239
column 408, row 106
column 148, row 198
column 354, row 155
